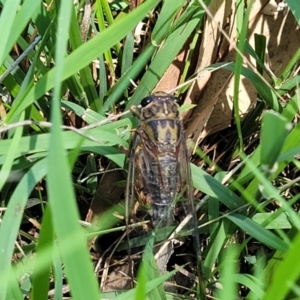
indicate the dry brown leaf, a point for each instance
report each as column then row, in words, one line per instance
column 208, row 51
column 210, row 92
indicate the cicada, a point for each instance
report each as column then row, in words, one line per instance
column 159, row 177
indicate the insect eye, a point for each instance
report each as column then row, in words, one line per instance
column 146, row 101
column 174, row 99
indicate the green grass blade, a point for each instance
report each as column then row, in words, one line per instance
column 40, row 143
column 250, row 282
column 40, row 281
column 10, row 153
column 218, row 238
column 258, row 232
column 25, row 13
column 103, row 79
column 265, row 91
column 58, row 274
column 78, row 266
column 242, row 22
column 101, row 7
column 110, row 19
column 295, row 9
column 214, row 188
column 228, row 269
column 12, row 219
column 118, row 89
column 165, row 19
column 6, row 23
column 85, row 73
column 260, row 49
column 127, row 56
column 271, row 143
column 14, row 291
column 287, row 272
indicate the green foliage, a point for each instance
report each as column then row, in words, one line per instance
column 40, row 159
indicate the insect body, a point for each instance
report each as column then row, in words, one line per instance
column 159, row 171
column 160, row 157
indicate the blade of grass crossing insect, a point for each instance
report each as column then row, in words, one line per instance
column 40, row 281
column 82, row 56
column 152, row 271
column 78, row 266
column 12, row 219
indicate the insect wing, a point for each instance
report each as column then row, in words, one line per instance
column 130, row 188
column 159, row 185
column 186, row 190
column 146, row 183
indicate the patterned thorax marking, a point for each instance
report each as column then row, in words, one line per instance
column 160, row 122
